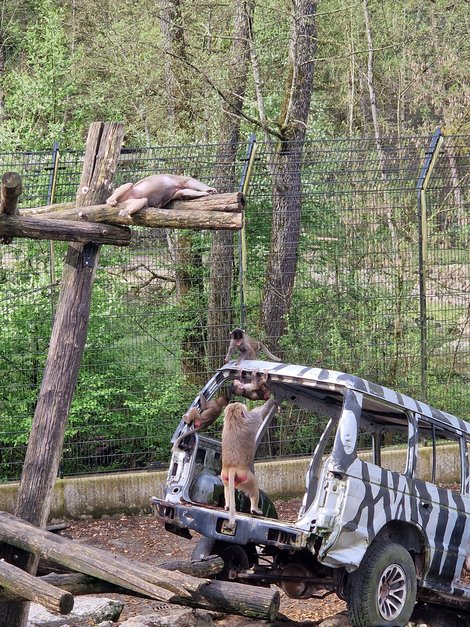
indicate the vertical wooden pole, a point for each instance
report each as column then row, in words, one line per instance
column 63, row 360
column 9, row 194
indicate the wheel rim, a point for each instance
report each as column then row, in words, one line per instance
column 392, row 592
column 235, row 557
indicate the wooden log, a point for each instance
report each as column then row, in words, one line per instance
column 75, row 584
column 236, row 598
column 17, row 583
column 230, row 202
column 211, row 565
column 64, row 230
column 78, row 584
column 11, row 190
column 117, row 569
column 66, row 346
column 154, row 582
column 225, row 596
column 56, row 207
column 153, row 218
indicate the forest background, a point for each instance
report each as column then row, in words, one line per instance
column 344, row 99
column 167, row 68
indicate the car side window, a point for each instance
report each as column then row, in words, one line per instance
column 438, row 456
column 383, row 435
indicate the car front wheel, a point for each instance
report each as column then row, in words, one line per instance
column 382, row 591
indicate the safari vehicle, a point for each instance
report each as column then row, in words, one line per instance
column 381, row 525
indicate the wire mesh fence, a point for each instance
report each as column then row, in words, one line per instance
column 362, row 275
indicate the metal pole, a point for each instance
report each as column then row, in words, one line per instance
column 51, row 191
column 423, row 181
column 244, row 185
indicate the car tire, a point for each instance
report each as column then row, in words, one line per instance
column 203, row 548
column 234, row 555
column 382, row 591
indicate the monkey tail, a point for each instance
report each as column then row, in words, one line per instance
column 231, row 496
column 269, row 354
column 182, row 437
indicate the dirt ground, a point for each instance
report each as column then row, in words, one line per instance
column 144, row 538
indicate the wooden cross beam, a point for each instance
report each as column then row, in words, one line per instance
column 102, row 224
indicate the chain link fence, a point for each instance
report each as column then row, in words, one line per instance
column 381, row 290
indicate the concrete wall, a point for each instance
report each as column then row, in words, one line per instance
column 130, row 492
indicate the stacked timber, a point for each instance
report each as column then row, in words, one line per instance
column 98, row 570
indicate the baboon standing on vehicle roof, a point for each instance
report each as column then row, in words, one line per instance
column 247, row 346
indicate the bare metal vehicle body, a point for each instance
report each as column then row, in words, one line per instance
column 378, row 531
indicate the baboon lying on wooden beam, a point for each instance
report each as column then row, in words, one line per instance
column 156, row 191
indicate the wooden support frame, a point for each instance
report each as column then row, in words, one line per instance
column 87, row 224
column 68, row 338
column 172, row 582
column 102, row 223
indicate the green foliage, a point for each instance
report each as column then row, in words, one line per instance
column 25, row 328
column 67, row 66
column 39, row 91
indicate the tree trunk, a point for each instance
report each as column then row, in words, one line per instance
column 220, row 317
column 184, row 247
column 179, row 96
column 396, row 257
column 286, row 186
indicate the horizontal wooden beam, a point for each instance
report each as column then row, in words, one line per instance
column 63, row 230
column 213, row 212
column 230, row 202
column 150, row 217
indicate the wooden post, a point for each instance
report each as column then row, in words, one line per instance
column 65, row 351
column 11, row 190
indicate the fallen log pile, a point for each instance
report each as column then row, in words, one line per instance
column 98, row 570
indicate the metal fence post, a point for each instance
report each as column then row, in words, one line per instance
column 244, row 184
column 51, row 192
column 429, row 162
